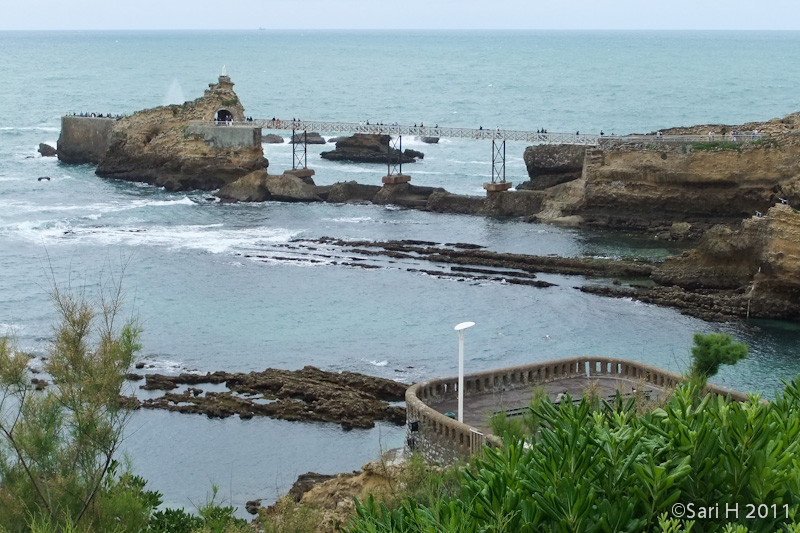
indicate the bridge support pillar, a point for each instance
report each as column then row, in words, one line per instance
column 394, row 169
column 299, row 154
column 499, row 182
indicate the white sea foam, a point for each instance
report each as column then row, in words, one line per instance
column 379, row 363
column 211, row 238
column 15, row 207
column 348, row 220
column 10, row 329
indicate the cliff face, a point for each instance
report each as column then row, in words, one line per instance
column 641, row 186
column 160, row 147
column 760, row 259
column 651, row 185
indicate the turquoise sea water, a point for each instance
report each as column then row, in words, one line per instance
column 206, row 306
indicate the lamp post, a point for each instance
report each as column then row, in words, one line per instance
column 460, row 329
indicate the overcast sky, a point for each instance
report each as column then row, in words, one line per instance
column 402, row 14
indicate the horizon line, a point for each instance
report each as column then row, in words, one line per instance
column 410, row 29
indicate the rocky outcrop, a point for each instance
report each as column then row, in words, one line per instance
column 350, row 399
column 161, row 147
column 249, row 188
column 429, row 140
column 549, row 165
column 47, row 151
column 351, row 192
column 760, row 260
column 271, row 138
column 405, row 194
column 366, row 148
column 259, row 186
column 652, row 184
column 289, row 188
column 311, row 137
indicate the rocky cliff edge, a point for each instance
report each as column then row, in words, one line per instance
column 760, row 260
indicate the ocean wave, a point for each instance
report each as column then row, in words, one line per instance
column 379, row 363
column 30, row 128
column 10, row 329
column 21, row 207
column 211, row 238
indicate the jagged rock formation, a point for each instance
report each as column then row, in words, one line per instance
column 47, row 151
column 760, row 260
column 368, row 148
column 161, row 147
column 259, row 186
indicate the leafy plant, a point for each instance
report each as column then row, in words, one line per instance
column 605, row 466
column 712, row 350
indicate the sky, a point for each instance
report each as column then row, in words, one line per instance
column 403, row 14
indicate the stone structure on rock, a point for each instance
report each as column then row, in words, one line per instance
column 84, row 139
column 185, row 146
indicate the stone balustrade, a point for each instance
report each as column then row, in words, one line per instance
column 444, row 440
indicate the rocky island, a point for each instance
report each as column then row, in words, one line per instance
column 178, row 147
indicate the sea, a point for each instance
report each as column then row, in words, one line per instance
column 227, row 287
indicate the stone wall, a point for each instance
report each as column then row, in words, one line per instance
column 220, row 136
column 84, row 139
column 440, row 439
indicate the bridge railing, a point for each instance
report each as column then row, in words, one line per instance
column 442, row 439
column 533, row 137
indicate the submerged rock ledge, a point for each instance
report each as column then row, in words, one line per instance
column 310, row 394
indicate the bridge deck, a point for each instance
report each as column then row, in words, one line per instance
column 532, row 137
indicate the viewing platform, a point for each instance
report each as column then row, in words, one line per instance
column 442, row 439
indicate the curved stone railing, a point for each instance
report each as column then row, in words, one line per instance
column 443, row 440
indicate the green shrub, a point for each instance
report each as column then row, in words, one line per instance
column 57, row 446
column 712, row 350
column 174, row 521
column 716, row 146
column 607, row 467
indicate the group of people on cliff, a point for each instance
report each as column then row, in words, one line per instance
column 94, row 115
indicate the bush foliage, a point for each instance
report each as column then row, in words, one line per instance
column 604, row 466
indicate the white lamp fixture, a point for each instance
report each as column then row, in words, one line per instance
column 460, row 329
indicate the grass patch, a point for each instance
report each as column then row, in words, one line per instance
column 716, row 146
